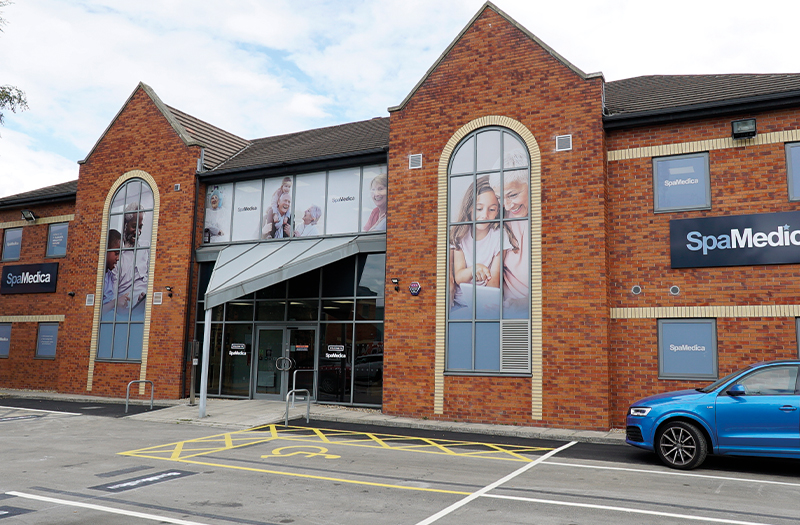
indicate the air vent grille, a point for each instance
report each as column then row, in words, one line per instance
column 515, row 353
column 415, row 161
column 564, row 143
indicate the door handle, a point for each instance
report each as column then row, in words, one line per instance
column 788, row 408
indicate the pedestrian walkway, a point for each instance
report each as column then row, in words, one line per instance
column 239, row 414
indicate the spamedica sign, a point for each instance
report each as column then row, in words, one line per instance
column 29, row 278
column 740, row 240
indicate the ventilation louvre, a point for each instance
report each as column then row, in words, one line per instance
column 415, row 161
column 515, row 349
column 564, row 143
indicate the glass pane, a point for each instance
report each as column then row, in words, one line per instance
column 135, row 341
column 336, row 342
column 5, row 339
column 489, row 150
column 246, row 211
column 487, row 346
column 464, row 159
column 371, row 274
column 12, row 243
column 270, row 348
column 239, row 311
column 303, row 310
column 276, row 222
column 462, row 256
column 338, row 279
column 462, row 199
column 134, row 189
column 237, row 347
column 215, row 359
column 687, row 348
column 218, row 312
column 57, row 240
column 514, row 152
column 368, row 364
column 203, row 279
column 337, row 310
column 306, row 285
column 374, row 198
column 681, row 182
column 343, row 195
column 776, row 381
column 147, row 201
column 218, row 213
column 793, row 161
column 270, row 310
column 516, row 194
column 459, row 346
column 136, row 227
column 309, row 205
column 118, row 202
column 302, row 350
column 105, row 341
column 369, row 309
column 516, row 271
column 120, row 349
column 276, row 291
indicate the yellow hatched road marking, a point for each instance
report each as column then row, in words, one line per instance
column 183, row 450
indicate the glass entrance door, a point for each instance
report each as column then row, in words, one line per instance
column 296, row 343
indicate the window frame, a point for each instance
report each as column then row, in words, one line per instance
column 712, row 322
column 5, row 237
column 5, row 354
column 504, row 324
column 790, row 171
column 707, row 186
column 39, row 354
column 49, row 240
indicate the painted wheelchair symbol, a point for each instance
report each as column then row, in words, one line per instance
column 318, row 452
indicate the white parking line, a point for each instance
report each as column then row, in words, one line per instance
column 673, row 473
column 484, row 490
column 101, row 508
column 38, row 410
column 627, row 510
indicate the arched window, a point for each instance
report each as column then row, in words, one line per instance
column 127, row 262
column 489, row 253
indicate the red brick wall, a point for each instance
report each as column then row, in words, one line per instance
column 495, row 69
column 139, row 139
column 744, row 180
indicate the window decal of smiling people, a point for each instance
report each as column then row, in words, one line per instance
column 376, row 192
column 218, row 214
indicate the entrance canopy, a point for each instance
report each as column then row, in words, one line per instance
column 242, row 269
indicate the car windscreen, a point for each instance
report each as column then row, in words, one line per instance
column 719, row 382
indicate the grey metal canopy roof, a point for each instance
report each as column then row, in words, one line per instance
column 242, row 269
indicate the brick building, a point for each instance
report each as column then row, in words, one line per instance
column 551, row 245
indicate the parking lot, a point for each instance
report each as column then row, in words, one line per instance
column 70, row 467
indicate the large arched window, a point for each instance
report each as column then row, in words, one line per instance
column 127, row 262
column 489, row 254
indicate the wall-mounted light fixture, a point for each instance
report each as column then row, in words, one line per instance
column 169, row 290
column 28, row 215
column 396, row 283
column 743, row 129
column 71, row 294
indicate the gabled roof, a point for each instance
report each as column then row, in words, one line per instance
column 62, row 192
column 219, row 145
column 655, row 98
column 490, row 5
column 344, row 140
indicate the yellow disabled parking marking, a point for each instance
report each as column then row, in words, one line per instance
column 189, row 450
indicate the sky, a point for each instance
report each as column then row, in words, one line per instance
column 258, row 68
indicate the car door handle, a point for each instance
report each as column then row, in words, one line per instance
column 787, row 408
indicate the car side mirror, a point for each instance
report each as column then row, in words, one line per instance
column 736, row 390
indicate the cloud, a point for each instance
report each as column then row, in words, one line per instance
column 24, row 167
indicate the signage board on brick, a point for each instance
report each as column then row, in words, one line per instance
column 739, row 240
column 29, row 278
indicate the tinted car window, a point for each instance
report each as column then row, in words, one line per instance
column 781, row 380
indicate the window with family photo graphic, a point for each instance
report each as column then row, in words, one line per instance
column 374, row 199
column 217, row 226
column 276, row 219
column 309, row 204
column 489, row 259
column 126, row 273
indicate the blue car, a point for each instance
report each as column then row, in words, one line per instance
column 752, row 412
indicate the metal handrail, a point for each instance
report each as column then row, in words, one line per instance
column 291, row 394
column 128, row 392
column 294, row 375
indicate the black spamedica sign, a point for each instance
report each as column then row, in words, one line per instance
column 29, row 278
column 740, row 240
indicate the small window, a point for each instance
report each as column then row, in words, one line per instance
column 47, row 340
column 681, row 182
column 793, row 170
column 12, row 243
column 687, row 349
column 57, row 240
column 5, row 339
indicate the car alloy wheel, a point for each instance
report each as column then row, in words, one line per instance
column 681, row 445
